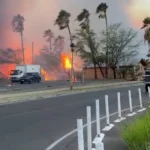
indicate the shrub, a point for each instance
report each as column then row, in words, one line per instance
column 136, row 134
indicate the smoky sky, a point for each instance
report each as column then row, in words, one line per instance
column 9, row 8
column 41, row 14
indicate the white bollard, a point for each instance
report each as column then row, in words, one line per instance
column 100, row 146
column 109, row 126
column 120, row 118
column 119, row 105
column 100, row 135
column 130, row 101
column 130, row 104
column 89, row 132
column 140, row 98
column 107, row 110
column 80, row 134
column 149, row 91
column 98, row 117
column 141, row 103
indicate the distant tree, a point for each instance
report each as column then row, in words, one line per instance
column 49, row 35
column 86, row 37
column 146, row 25
column 102, row 14
column 59, row 43
column 18, row 26
column 87, row 47
column 63, row 21
column 9, row 56
column 84, row 20
column 122, row 45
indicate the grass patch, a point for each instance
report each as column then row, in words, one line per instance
column 136, row 134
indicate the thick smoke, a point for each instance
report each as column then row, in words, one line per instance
column 9, row 8
column 137, row 10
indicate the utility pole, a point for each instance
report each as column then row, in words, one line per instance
column 32, row 52
column 72, row 46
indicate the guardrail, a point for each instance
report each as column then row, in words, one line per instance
column 98, row 141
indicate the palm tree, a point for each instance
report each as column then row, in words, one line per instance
column 63, row 21
column 102, row 12
column 18, row 26
column 49, row 35
column 83, row 17
column 146, row 25
column 84, row 20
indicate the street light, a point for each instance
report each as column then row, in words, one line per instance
column 72, row 46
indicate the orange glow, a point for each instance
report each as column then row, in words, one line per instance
column 137, row 10
column 65, row 61
column 45, row 75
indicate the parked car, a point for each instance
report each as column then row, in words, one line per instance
column 21, row 70
column 30, row 78
column 147, row 80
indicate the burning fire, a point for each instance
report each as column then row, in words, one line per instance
column 65, row 61
column 45, row 75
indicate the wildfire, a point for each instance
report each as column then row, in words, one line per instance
column 45, row 75
column 65, row 61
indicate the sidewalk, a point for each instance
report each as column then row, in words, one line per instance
column 112, row 140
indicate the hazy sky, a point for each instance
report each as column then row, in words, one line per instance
column 40, row 15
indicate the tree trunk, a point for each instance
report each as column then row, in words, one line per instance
column 95, row 71
column 72, row 73
column 101, row 71
column 50, row 45
column 106, row 68
column 22, row 47
column 69, row 34
column 114, row 71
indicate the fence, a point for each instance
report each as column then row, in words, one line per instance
column 98, row 141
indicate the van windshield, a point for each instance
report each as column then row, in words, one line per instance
column 15, row 72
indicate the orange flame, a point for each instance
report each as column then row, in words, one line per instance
column 45, row 75
column 65, row 61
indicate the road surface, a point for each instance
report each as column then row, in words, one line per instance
column 35, row 125
column 4, row 87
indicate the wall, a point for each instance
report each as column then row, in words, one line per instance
column 89, row 73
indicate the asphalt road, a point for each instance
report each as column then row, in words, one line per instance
column 35, row 125
column 4, row 87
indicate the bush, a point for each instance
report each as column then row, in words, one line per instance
column 136, row 134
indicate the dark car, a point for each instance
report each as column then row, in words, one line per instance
column 30, row 78
column 147, row 80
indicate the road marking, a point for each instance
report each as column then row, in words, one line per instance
column 1, row 90
column 119, row 120
column 131, row 114
column 109, row 127
column 74, row 131
column 143, row 109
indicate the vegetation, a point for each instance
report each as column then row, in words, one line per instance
column 136, row 133
column 18, row 26
column 102, row 14
column 49, row 35
column 63, row 21
column 121, row 45
column 108, row 49
column 86, row 37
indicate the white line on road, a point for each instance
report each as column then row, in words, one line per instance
column 74, row 131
